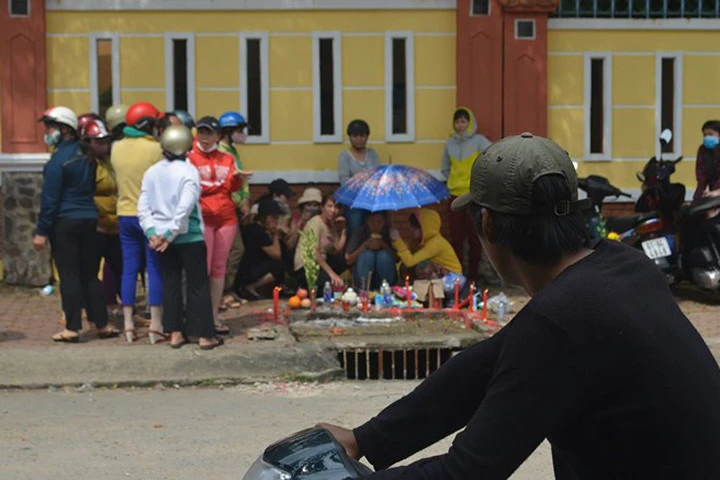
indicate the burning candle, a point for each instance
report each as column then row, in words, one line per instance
column 276, row 303
column 313, row 305
column 484, row 310
column 471, row 305
column 457, row 294
column 407, row 292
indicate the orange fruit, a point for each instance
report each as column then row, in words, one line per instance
column 294, row 302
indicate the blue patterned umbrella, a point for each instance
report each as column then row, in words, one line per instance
column 391, row 187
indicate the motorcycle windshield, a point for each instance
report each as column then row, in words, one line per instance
column 313, row 454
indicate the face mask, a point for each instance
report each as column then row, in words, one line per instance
column 209, row 150
column 52, row 139
column 312, row 210
column 710, row 142
column 239, row 138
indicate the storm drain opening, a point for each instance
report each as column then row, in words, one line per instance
column 405, row 364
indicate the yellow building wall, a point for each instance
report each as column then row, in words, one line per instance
column 633, row 58
column 217, row 73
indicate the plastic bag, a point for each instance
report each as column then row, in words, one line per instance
column 449, row 283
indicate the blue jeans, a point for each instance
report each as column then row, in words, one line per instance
column 134, row 249
column 381, row 263
column 355, row 219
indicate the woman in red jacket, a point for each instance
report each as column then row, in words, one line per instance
column 219, row 178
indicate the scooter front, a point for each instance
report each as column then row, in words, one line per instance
column 312, row 454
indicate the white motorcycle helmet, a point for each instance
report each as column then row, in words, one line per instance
column 61, row 115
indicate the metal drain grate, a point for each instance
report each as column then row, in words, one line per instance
column 406, row 364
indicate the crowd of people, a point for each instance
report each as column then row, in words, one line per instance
column 108, row 201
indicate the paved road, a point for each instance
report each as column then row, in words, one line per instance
column 180, row 434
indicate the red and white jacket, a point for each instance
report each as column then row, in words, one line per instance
column 218, row 182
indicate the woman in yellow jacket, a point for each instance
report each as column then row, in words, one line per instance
column 461, row 150
column 98, row 137
column 432, row 256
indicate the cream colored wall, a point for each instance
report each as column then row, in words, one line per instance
column 633, row 57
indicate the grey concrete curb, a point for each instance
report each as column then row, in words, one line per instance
column 147, row 365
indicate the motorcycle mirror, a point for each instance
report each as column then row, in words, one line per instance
column 666, row 136
column 640, row 177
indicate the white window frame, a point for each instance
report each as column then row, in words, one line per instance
column 170, row 70
column 243, row 37
column 517, row 24
column 607, row 107
column 318, row 137
column 14, row 15
column 409, row 38
column 678, row 104
column 115, row 68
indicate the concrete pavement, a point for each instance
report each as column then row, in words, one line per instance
column 30, row 359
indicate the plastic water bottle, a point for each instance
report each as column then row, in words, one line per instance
column 47, row 290
column 327, row 293
column 500, row 311
column 386, row 293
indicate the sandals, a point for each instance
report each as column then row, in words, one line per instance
column 130, row 336
column 231, row 301
column 222, row 330
column 157, row 337
column 108, row 332
column 177, row 345
column 64, row 337
column 218, row 342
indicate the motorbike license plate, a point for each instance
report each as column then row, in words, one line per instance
column 657, row 248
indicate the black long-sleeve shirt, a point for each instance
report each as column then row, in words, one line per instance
column 601, row 362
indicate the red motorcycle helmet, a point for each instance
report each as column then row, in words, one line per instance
column 140, row 114
column 94, row 128
column 86, row 118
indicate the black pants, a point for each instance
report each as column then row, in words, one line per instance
column 75, row 250
column 251, row 273
column 196, row 319
column 109, row 248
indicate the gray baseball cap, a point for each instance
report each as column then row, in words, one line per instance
column 503, row 175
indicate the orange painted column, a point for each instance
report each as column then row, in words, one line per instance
column 23, row 84
column 525, row 59
column 480, row 66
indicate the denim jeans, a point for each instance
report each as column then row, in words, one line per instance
column 355, row 219
column 380, row 262
column 134, row 249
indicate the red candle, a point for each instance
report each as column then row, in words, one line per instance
column 457, row 294
column 471, row 305
column 484, row 310
column 407, row 292
column 276, row 303
column 312, row 301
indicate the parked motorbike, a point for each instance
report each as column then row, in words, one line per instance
column 700, row 241
column 598, row 189
column 312, row 454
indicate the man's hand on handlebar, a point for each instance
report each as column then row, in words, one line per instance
column 345, row 437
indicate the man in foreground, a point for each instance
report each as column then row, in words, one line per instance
column 601, row 361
